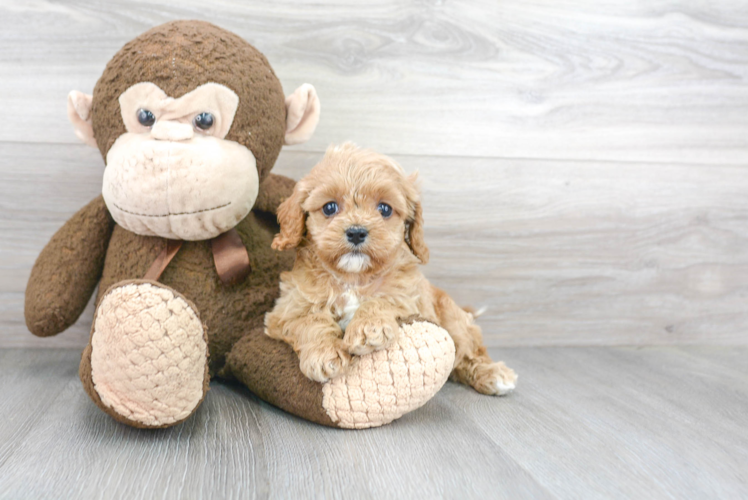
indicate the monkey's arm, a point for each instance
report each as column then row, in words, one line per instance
column 273, row 191
column 66, row 272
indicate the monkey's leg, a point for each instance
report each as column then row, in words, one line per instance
column 146, row 363
column 377, row 388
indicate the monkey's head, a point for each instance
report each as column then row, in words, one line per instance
column 189, row 118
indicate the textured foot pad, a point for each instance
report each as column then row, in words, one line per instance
column 384, row 385
column 149, row 354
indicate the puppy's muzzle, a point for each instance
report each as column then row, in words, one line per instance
column 356, row 234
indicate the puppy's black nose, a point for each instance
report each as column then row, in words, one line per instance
column 356, row 234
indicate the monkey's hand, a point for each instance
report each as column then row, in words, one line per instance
column 66, row 272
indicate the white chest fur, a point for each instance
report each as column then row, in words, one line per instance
column 346, row 306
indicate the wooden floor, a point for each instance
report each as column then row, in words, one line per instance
column 597, row 422
column 585, row 178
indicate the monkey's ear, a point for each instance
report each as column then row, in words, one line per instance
column 79, row 114
column 302, row 114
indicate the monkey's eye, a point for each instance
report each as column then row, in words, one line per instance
column 146, row 118
column 204, row 121
column 330, row 209
column 385, row 210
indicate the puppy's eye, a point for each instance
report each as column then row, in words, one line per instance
column 385, row 210
column 204, row 121
column 146, row 118
column 330, row 209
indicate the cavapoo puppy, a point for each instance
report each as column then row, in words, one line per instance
column 358, row 225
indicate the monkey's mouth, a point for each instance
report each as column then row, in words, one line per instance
column 172, row 214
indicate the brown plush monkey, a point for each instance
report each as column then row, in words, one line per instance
column 190, row 119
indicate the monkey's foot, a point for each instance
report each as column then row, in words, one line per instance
column 384, row 385
column 148, row 355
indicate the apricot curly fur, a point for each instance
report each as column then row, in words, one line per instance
column 342, row 299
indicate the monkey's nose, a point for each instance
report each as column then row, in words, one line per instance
column 171, row 131
column 356, row 234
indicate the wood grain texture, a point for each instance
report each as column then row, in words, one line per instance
column 584, row 175
column 656, row 81
column 560, row 253
column 663, row 422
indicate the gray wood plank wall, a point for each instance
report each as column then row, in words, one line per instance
column 584, row 163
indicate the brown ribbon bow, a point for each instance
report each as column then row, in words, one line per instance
column 229, row 255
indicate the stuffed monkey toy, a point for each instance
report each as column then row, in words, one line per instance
column 190, row 119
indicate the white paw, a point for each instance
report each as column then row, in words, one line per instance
column 501, row 387
column 495, row 379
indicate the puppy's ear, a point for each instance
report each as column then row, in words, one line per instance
column 414, row 235
column 414, row 224
column 292, row 220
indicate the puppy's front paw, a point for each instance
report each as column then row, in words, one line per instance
column 365, row 335
column 495, row 379
column 324, row 361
